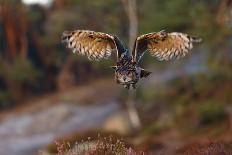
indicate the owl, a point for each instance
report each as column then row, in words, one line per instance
column 128, row 71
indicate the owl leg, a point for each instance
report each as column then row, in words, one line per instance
column 127, row 86
column 133, row 86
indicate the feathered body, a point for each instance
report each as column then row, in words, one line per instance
column 126, row 72
column 98, row 45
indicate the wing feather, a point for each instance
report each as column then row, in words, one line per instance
column 95, row 45
column 164, row 46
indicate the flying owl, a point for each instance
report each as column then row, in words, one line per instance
column 98, row 45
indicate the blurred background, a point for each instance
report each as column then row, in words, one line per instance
column 47, row 93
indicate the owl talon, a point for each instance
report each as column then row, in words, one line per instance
column 134, row 86
column 127, row 86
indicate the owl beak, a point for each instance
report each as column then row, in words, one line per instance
column 113, row 67
column 124, row 78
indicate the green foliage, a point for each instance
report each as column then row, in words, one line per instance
column 156, row 128
column 159, row 13
column 197, row 18
column 151, row 94
column 21, row 70
column 211, row 112
column 5, row 97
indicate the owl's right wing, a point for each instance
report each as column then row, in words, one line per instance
column 95, row 45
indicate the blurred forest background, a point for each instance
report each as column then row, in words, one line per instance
column 43, row 85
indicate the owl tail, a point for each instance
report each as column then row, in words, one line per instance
column 144, row 73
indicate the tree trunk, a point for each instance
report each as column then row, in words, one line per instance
column 15, row 27
column 221, row 13
column 130, row 9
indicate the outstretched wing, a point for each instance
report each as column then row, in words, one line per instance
column 96, row 45
column 164, row 46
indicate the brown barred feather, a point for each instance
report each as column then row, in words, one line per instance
column 165, row 46
column 95, row 45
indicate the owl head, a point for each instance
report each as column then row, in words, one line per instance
column 124, row 76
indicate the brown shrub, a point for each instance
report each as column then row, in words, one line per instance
column 100, row 146
column 209, row 149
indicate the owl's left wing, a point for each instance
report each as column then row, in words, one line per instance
column 95, row 45
column 163, row 45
